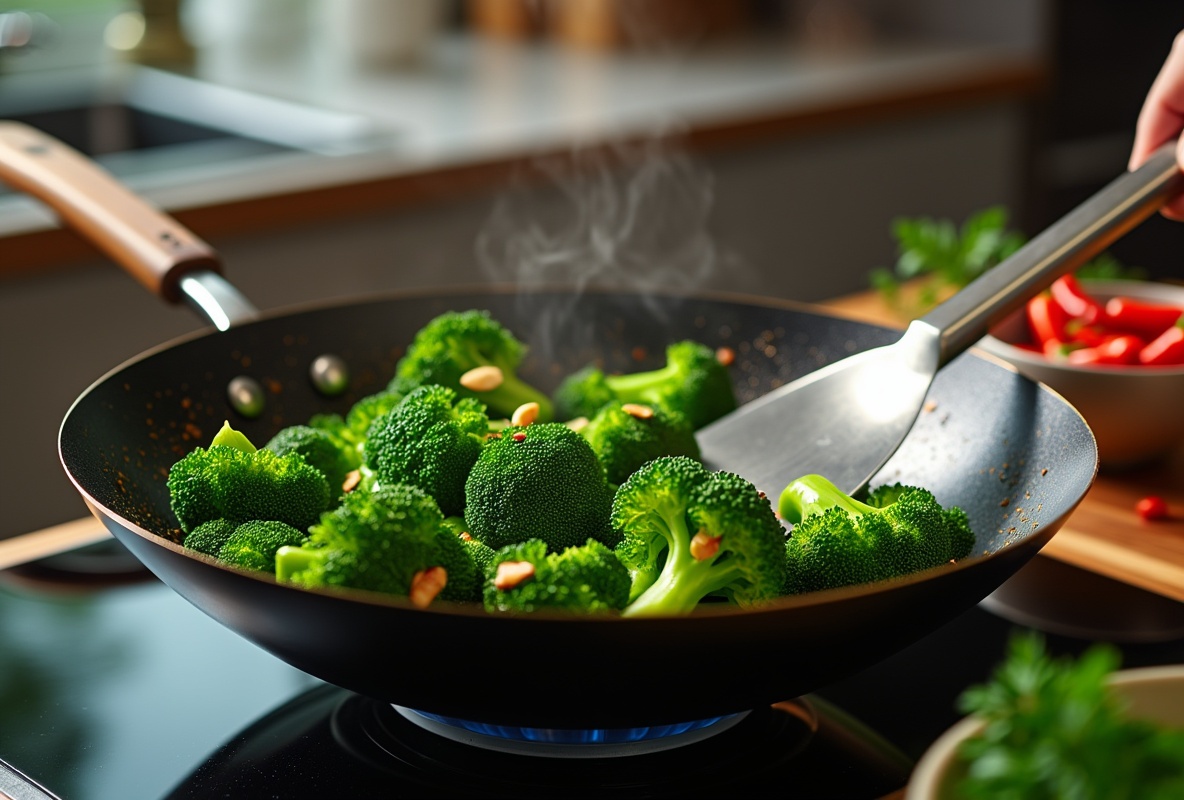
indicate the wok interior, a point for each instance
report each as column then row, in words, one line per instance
column 1016, row 457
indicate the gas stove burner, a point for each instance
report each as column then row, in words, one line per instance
column 570, row 742
column 329, row 742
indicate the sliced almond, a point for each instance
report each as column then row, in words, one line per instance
column 511, row 573
column 525, row 414
column 352, row 479
column 482, row 379
column 704, row 545
column 578, row 424
column 637, row 410
column 465, row 536
column 725, row 356
column 426, row 584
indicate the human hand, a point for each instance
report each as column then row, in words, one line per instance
column 1162, row 117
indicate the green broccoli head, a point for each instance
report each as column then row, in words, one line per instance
column 688, row 533
column 649, row 514
column 350, row 432
column 390, row 540
column 839, row 541
column 321, row 449
column 693, row 382
column 228, row 482
column 430, row 440
column 829, row 549
column 624, row 436
column 527, row 577
column 367, row 411
column 209, row 537
column 582, row 394
column 918, row 510
column 541, row 481
column 454, row 343
column 253, row 544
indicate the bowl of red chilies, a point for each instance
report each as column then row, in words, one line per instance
column 1115, row 350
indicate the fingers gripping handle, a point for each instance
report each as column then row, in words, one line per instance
column 153, row 247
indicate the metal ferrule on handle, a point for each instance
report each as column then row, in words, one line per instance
column 1079, row 236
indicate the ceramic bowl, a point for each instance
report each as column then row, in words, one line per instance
column 1152, row 693
column 1136, row 413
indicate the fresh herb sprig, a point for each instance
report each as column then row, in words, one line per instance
column 1055, row 729
column 945, row 255
column 942, row 257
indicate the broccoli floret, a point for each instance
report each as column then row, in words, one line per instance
column 481, row 553
column 209, row 537
column 228, row 481
column 456, row 342
column 350, row 431
column 366, row 411
column 430, row 440
column 582, row 394
column 253, row 544
column 541, row 481
column 625, row 436
column 957, row 523
column 688, row 533
column 586, row 579
column 320, row 449
column 839, row 541
column 693, row 382
column 389, row 540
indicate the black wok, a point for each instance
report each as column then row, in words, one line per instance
column 991, row 436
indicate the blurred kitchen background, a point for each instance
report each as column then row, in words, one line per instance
column 335, row 148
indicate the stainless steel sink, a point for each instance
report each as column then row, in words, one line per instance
column 141, row 122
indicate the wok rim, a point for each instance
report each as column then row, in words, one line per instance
column 783, row 604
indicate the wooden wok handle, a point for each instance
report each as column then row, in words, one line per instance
column 156, row 249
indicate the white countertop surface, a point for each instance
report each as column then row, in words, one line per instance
column 472, row 100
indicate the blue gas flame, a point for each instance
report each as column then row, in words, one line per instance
column 575, row 735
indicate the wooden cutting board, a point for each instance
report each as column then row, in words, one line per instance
column 1104, row 534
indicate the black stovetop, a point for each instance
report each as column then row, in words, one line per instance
column 118, row 688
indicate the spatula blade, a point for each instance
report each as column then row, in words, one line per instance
column 843, row 421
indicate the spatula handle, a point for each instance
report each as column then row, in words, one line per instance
column 1071, row 241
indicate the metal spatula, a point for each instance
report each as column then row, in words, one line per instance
column 845, row 421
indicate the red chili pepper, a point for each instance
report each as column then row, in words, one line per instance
column 1114, row 351
column 1152, row 507
column 1146, row 319
column 1046, row 320
column 1167, row 349
column 1077, row 304
column 1085, row 335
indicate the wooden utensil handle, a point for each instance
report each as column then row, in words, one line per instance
column 153, row 247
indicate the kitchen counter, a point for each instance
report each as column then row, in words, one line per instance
column 799, row 161
column 475, row 108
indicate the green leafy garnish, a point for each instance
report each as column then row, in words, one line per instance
column 1108, row 268
column 942, row 257
column 1055, row 729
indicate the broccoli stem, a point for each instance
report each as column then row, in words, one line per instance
column 291, row 561
column 514, row 392
column 813, row 494
column 639, row 385
column 684, row 580
column 229, row 437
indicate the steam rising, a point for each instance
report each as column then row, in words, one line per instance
column 632, row 218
